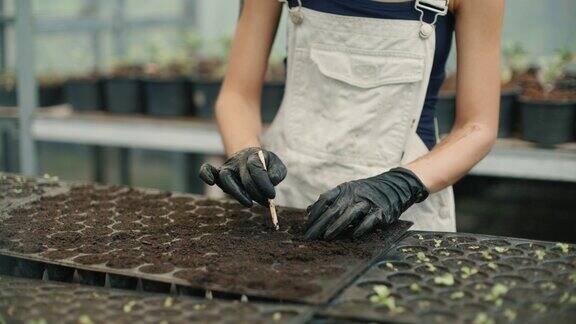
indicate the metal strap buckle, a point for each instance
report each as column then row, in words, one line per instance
column 440, row 7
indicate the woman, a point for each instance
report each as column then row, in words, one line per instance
column 355, row 132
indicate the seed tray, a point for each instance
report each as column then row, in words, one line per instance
column 167, row 239
column 33, row 301
column 16, row 190
column 457, row 277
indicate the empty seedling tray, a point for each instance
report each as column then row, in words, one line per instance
column 122, row 236
column 33, row 301
column 453, row 277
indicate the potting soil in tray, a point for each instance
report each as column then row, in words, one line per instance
column 447, row 277
column 33, row 301
column 184, row 240
column 16, row 190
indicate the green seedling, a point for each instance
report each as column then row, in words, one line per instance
column 277, row 316
column 7, row 80
column 496, row 293
column 32, row 321
column 199, row 307
column 430, row 267
column 390, row 266
column 474, row 247
column 419, row 236
column 129, row 306
column 85, row 319
column 482, row 318
column 565, row 248
column 510, row 314
column 540, row 254
column 383, row 297
column 415, row 288
column 457, row 295
column 486, row 255
column 437, row 243
column 492, row 265
column 539, row 307
column 567, row 298
column 548, row 286
column 444, row 280
column 445, row 253
column 515, row 61
column 551, row 69
column 500, row 249
column 468, row 272
column 422, row 257
column 168, row 302
column 572, row 277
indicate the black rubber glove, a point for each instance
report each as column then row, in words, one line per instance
column 364, row 204
column 243, row 176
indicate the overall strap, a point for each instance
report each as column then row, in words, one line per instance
column 294, row 12
column 437, row 7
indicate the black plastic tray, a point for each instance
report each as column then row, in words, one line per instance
column 539, row 279
column 33, row 301
column 35, row 264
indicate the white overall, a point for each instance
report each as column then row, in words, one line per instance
column 354, row 94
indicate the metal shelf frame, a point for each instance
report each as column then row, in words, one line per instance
column 26, row 26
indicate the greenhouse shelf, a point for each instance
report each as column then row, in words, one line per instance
column 509, row 158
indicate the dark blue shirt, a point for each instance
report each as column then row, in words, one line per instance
column 405, row 11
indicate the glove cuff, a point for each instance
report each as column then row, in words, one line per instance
column 417, row 187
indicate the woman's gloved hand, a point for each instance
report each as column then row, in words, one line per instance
column 365, row 203
column 244, row 177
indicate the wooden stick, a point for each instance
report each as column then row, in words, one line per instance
column 270, row 201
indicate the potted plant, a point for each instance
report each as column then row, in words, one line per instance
column 122, row 88
column 515, row 66
column 208, row 72
column 50, row 89
column 166, row 89
column 82, row 91
column 8, row 89
column 273, row 90
column 548, row 112
column 446, row 104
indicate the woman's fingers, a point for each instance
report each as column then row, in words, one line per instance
column 230, row 184
column 275, row 167
column 319, row 207
column 323, row 221
column 351, row 213
column 259, row 176
column 368, row 224
column 208, row 174
column 252, row 189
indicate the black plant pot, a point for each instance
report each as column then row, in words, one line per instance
column 272, row 95
column 8, row 97
column 547, row 123
column 204, row 97
column 508, row 99
column 166, row 98
column 445, row 112
column 123, row 95
column 155, row 286
column 84, row 94
column 50, row 95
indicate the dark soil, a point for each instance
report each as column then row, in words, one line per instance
column 218, row 244
column 533, row 92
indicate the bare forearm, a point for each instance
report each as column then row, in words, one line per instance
column 239, row 122
column 452, row 158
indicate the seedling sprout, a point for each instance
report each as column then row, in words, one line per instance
column 383, row 297
column 446, row 279
column 565, row 248
column 468, row 272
